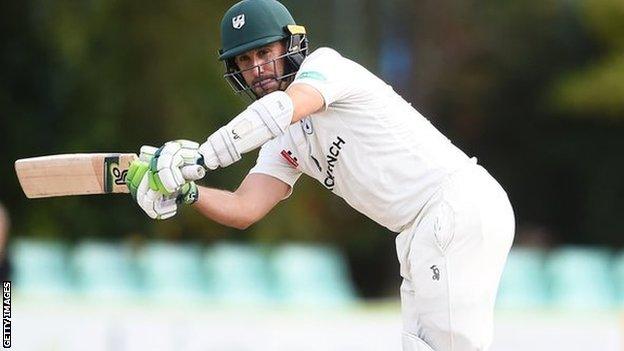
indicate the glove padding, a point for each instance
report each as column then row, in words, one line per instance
column 167, row 163
column 142, row 183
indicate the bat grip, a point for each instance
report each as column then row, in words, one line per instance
column 193, row 172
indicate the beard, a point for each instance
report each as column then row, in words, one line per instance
column 265, row 85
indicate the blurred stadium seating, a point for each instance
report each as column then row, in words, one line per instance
column 173, row 271
column 105, row 271
column 41, row 268
column 580, row 278
column 314, row 275
column 618, row 277
column 225, row 273
column 241, row 273
column 523, row 284
column 566, row 278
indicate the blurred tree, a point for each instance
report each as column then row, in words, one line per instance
column 597, row 89
column 106, row 76
column 593, row 93
column 483, row 73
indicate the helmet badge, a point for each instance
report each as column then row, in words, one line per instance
column 239, row 21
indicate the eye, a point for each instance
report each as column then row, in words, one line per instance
column 242, row 61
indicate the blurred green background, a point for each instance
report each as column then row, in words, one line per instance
column 534, row 89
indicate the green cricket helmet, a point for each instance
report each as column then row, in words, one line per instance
column 251, row 24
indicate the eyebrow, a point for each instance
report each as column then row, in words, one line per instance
column 268, row 46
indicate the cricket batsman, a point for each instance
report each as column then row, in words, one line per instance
column 323, row 115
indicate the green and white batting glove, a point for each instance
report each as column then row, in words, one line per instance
column 143, row 187
column 138, row 168
column 174, row 164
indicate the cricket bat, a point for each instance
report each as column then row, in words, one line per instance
column 81, row 174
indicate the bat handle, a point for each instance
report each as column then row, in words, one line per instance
column 193, row 172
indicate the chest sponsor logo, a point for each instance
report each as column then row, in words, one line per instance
column 238, row 21
column 288, row 156
column 332, row 158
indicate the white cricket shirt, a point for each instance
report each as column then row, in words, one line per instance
column 369, row 146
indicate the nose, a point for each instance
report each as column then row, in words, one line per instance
column 260, row 67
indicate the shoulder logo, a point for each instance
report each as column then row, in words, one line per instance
column 312, row 75
column 238, row 21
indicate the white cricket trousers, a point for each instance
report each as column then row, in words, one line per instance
column 451, row 260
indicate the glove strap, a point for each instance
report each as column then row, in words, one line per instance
column 189, row 194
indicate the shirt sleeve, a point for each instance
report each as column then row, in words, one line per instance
column 271, row 162
column 328, row 72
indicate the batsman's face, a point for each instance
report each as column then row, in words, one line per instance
column 263, row 67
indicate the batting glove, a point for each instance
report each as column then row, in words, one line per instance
column 174, row 164
column 143, row 187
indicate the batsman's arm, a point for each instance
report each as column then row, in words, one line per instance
column 262, row 121
column 306, row 100
column 254, row 198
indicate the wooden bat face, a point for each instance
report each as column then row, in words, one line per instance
column 74, row 174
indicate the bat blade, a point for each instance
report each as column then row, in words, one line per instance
column 74, row 174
